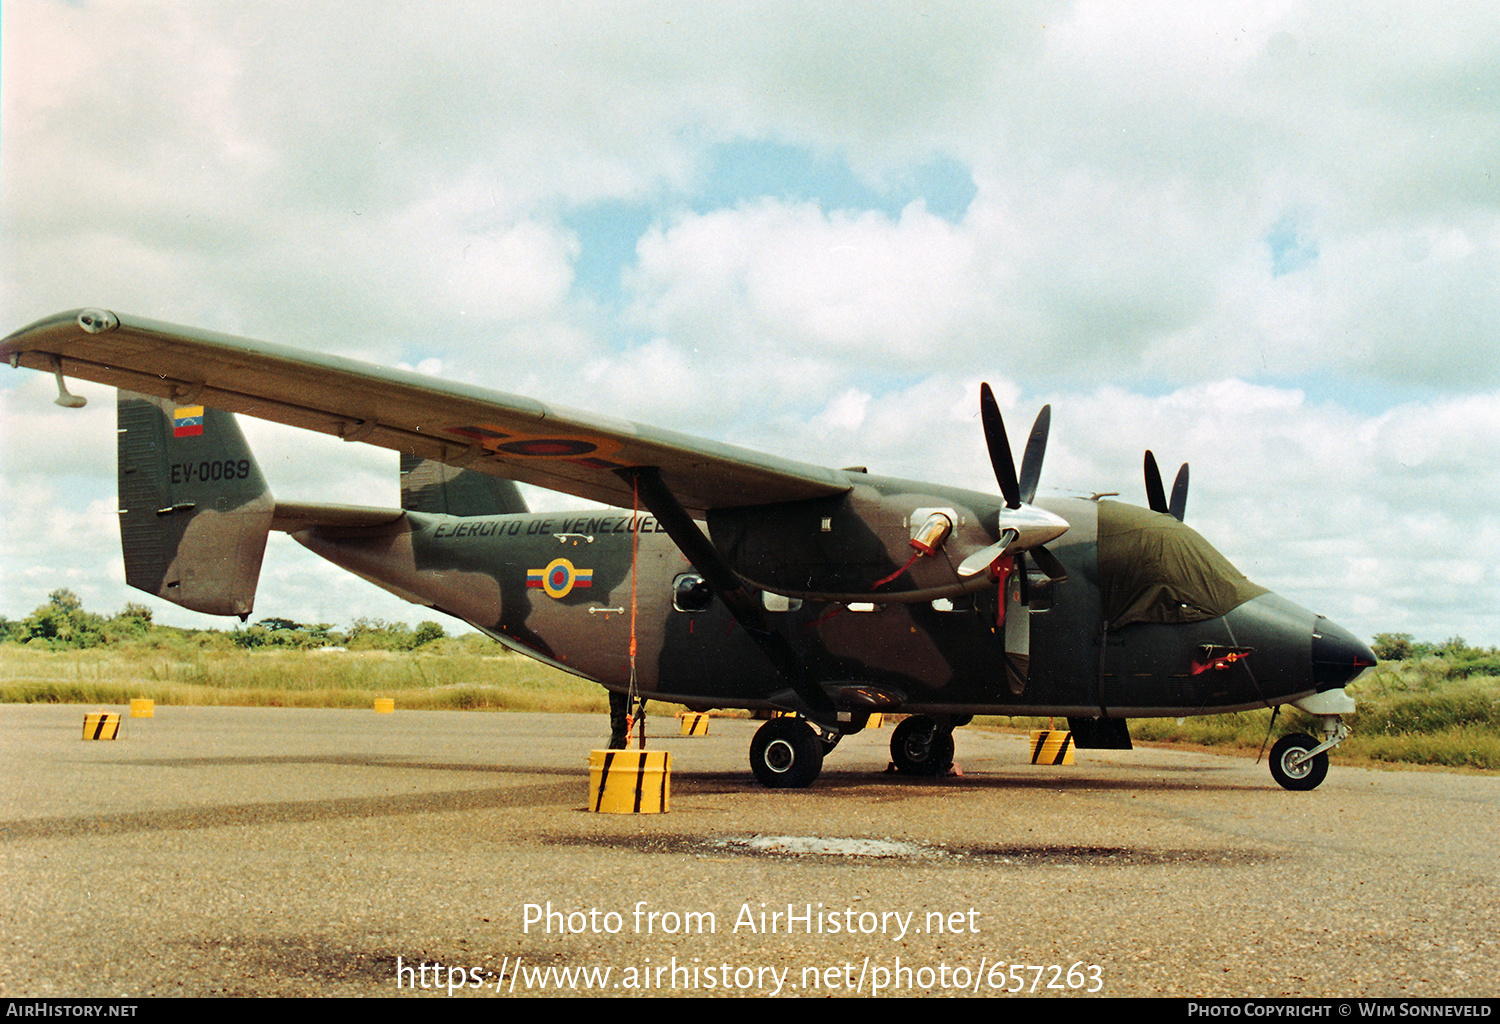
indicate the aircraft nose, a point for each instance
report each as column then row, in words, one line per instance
column 1337, row 655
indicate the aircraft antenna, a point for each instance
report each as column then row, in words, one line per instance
column 1271, row 725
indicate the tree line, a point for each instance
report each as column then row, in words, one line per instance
column 1460, row 660
column 64, row 624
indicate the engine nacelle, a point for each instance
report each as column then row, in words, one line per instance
column 881, row 541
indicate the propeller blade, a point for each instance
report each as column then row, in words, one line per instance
column 1156, row 497
column 980, row 560
column 999, row 445
column 1178, row 507
column 1048, row 563
column 1031, row 458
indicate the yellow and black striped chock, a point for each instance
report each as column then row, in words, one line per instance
column 101, row 725
column 694, row 723
column 630, row 781
column 1051, row 746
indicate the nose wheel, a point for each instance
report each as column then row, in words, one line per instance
column 1294, row 766
column 1299, row 762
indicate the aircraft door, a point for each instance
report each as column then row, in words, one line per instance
column 1015, row 626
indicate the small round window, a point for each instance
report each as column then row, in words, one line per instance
column 690, row 593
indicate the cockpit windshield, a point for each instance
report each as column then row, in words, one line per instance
column 1152, row 568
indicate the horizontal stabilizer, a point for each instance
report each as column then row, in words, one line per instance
column 295, row 516
column 438, row 489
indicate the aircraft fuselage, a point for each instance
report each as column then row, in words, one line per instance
column 560, row 587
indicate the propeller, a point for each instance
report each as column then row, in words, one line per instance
column 1156, row 497
column 1178, row 506
column 999, row 445
column 1019, row 521
column 1031, row 459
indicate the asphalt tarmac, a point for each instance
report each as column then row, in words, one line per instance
column 231, row 851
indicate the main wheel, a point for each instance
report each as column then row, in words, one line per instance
column 1292, row 768
column 919, row 746
column 786, row 754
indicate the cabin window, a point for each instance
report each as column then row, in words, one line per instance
column 779, row 602
column 1152, row 568
column 691, row 593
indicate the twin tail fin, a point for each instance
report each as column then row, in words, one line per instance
column 195, row 510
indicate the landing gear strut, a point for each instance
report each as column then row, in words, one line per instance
column 922, row 746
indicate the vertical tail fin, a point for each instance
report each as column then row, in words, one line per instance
column 194, row 508
column 428, row 486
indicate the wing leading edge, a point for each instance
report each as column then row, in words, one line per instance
column 506, row 435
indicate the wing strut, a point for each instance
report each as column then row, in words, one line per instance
column 729, row 588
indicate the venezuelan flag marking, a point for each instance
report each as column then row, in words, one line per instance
column 187, row 421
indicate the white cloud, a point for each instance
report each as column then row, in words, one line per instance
column 1261, row 237
column 794, row 278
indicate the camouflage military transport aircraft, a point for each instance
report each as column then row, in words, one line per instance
column 723, row 577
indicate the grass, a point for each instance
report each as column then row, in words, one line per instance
column 1410, row 712
column 451, row 678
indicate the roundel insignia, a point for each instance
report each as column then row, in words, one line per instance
column 548, row 447
column 559, row 578
column 580, row 449
column 542, row 446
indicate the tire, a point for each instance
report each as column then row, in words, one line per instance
column 919, row 746
column 786, row 754
column 1299, row 777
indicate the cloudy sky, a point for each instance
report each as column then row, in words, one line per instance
column 1260, row 237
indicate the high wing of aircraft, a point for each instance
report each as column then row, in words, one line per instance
column 728, row 578
column 550, row 446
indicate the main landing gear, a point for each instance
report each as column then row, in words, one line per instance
column 922, row 746
column 787, row 753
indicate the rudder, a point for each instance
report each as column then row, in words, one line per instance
column 195, row 510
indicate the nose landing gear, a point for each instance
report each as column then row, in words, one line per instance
column 1294, row 766
column 1299, row 762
